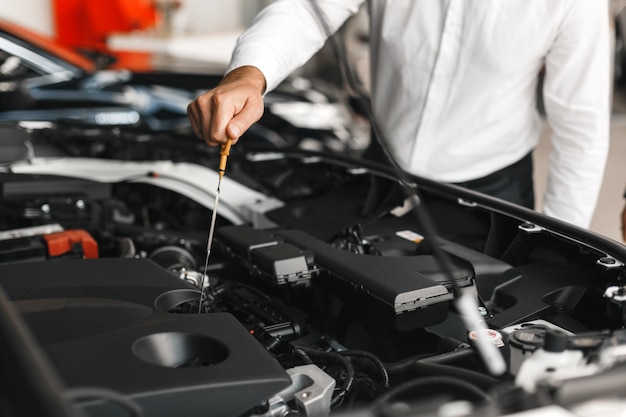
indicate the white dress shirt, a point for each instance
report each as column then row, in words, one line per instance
column 453, row 83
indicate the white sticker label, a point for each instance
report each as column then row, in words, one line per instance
column 410, row 235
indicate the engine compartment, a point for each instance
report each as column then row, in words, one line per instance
column 327, row 292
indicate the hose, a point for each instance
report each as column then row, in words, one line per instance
column 438, row 383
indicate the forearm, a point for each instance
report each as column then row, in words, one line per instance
column 249, row 75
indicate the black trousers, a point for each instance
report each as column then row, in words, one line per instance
column 513, row 183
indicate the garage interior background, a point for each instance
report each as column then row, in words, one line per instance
column 207, row 29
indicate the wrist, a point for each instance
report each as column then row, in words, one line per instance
column 249, row 75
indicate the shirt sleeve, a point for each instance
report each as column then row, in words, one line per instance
column 577, row 93
column 287, row 33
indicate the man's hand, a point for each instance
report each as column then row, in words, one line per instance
column 229, row 109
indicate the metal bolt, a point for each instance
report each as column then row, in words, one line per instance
column 607, row 261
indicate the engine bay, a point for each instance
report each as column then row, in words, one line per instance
column 331, row 290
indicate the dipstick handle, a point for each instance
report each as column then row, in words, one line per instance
column 224, row 153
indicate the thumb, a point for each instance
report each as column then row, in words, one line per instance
column 235, row 129
column 242, row 121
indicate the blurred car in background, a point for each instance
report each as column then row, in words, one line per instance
column 41, row 80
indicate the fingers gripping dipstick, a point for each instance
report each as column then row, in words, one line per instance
column 224, row 153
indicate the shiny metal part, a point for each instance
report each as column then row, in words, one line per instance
column 466, row 203
column 194, row 278
column 530, row 227
column 609, row 262
column 311, row 389
column 616, row 293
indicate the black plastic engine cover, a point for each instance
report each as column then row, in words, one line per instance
column 105, row 323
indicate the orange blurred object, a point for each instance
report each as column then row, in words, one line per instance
column 87, row 23
column 61, row 243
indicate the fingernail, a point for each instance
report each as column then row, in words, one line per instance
column 235, row 131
